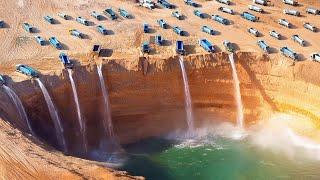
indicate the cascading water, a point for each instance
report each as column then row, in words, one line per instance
column 107, row 122
column 76, row 99
column 237, row 93
column 54, row 116
column 188, row 103
column 16, row 100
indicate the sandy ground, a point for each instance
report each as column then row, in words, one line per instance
column 126, row 35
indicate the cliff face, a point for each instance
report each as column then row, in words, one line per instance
column 147, row 99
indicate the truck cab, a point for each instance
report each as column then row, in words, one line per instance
column 65, row 61
column 180, row 48
column 145, row 48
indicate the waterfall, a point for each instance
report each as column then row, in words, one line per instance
column 237, row 93
column 81, row 122
column 17, row 102
column 54, row 116
column 187, row 96
column 107, row 122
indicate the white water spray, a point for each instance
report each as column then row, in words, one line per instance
column 17, row 102
column 107, row 122
column 237, row 93
column 54, row 116
column 188, row 102
column 76, row 99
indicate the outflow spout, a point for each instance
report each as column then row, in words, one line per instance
column 17, row 102
column 54, row 116
column 237, row 93
column 187, row 96
column 80, row 120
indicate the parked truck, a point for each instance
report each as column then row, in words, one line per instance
column 65, row 60
column 315, row 57
column 147, row 4
column 178, row 30
column 228, row 46
column 206, row 45
column 166, row 4
column 284, row 23
column 76, row 33
column 227, row 2
column 309, row 27
column 163, row 24
column 110, row 13
column 177, row 15
column 253, row 31
column 27, row 27
column 261, row 2
column 298, row 39
column 191, row 3
column 49, row 19
column 145, row 48
column 27, row 70
column 158, row 40
column 291, row 12
column 55, row 43
column 40, row 40
column 226, row 10
column 198, row 13
column 264, row 46
column 82, row 20
column 289, row 53
column 63, row 16
column 275, row 34
column 220, row 19
column 124, row 13
column 249, row 16
column 255, row 8
column 207, row 29
column 102, row 30
column 180, row 48
column 313, row 11
column 146, row 28
column 290, row 2
column 96, row 15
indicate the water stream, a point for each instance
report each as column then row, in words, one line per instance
column 107, row 121
column 54, row 116
column 188, row 102
column 237, row 93
column 16, row 100
column 80, row 120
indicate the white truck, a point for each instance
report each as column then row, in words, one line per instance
column 261, row 2
column 255, row 8
column 310, row 27
column 290, row 2
column 291, row 12
column 275, row 34
column 298, row 39
column 285, row 23
column 226, row 10
column 147, row 4
column 312, row 11
column 254, row 32
column 315, row 57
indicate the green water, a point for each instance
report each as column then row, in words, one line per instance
column 216, row 158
